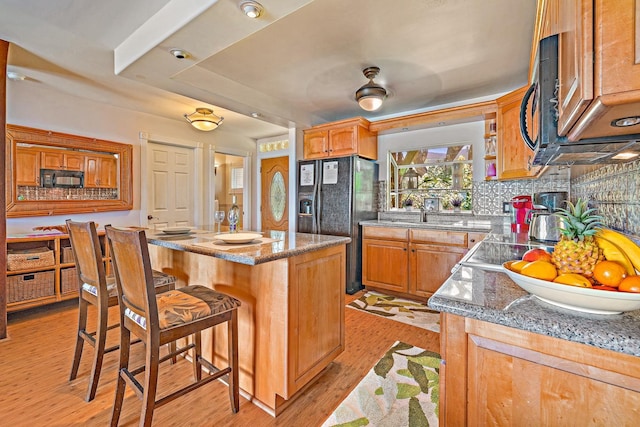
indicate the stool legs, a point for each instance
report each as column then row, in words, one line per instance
column 97, row 341
column 125, row 346
column 82, row 326
column 150, row 383
column 232, row 344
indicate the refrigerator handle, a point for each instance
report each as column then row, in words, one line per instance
column 318, row 215
column 316, row 193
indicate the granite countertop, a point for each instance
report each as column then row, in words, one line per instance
column 275, row 245
column 473, row 225
column 491, row 296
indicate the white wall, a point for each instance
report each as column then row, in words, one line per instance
column 43, row 108
column 465, row 133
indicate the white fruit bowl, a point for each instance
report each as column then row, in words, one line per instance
column 587, row 300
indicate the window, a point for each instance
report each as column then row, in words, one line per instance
column 443, row 172
column 237, row 177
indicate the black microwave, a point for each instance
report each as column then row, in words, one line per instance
column 54, row 178
column 549, row 147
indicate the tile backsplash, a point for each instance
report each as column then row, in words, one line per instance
column 488, row 196
column 614, row 190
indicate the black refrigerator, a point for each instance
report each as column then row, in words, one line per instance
column 334, row 195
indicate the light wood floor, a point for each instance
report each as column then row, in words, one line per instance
column 36, row 357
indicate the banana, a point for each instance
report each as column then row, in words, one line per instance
column 612, row 252
column 631, row 250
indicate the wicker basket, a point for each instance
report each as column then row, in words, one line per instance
column 30, row 286
column 22, row 259
column 67, row 255
column 68, row 280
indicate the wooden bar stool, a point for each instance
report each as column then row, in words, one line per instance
column 98, row 290
column 161, row 318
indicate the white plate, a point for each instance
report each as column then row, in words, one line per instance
column 238, row 237
column 176, row 230
column 576, row 298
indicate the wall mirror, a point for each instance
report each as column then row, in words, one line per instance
column 50, row 173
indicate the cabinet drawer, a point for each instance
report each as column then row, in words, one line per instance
column 388, row 233
column 439, row 237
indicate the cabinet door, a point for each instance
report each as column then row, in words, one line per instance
column 91, row 171
column 514, row 156
column 316, row 144
column 107, row 172
column 430, row 266
column 343, row 141
column 100, row 172
column 52, row 160
column 27, row 167
column 74, row 162
column 385, row 264
column 575, row 61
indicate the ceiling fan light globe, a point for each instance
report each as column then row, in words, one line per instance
column 370, row 103
column 370, row 96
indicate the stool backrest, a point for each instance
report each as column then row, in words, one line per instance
column 134, row 276
column 87, row 253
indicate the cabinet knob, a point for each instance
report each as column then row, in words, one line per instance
column 413, row 250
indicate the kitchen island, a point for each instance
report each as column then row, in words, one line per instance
column 512, row 359
column 292, row 289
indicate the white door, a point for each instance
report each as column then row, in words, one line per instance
column 171, row 185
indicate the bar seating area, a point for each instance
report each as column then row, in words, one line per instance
column 163, row 318
column 97, row 290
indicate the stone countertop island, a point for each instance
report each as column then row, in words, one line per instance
column 512, row 359
column 292, row 290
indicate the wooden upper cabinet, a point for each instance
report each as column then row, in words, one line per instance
column 57, row 159
column 27, row 166
column 598, row 64
column 514, row 156
column 316, row 144
column 575, row 61
column 339, row 139
column 100, row 171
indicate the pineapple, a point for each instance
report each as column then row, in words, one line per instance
column 577, row 250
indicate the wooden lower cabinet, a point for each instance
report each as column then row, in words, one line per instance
column 496, row 375
column 385, row 264
column 430, row 266
column 411, row 261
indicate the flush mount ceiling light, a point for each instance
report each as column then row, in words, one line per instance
column 252, row 9
column 371, row 95
column 204, row 119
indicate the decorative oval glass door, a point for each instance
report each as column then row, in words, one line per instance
column 274, row 178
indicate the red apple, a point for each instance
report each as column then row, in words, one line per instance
column 536, row 254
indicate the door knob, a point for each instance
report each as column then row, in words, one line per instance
column 150, row 217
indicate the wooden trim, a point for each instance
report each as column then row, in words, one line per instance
column 453, row 115
column 4, row 53
column 15, row 208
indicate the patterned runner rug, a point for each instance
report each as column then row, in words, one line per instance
column 401, row 390
column 402, row 310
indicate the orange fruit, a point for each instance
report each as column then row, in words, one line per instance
column 609, row 273
column 517, row 265
column 630, row 284
column 573, row 279
column 540, row 270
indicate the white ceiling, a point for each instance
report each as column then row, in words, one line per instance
column 299, row 63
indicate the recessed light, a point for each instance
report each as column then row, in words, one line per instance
column 12, row 75
column 180, row 54
column 252, row 9
column 255, row 115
